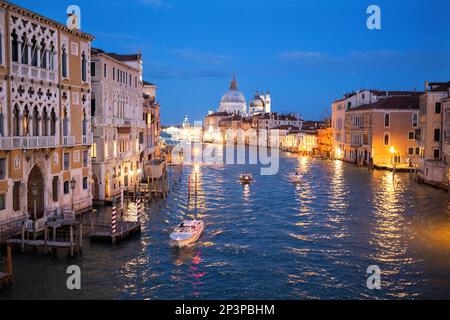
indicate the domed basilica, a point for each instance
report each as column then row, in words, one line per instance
column 233, row 102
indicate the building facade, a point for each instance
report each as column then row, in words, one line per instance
column 383, row 133
column 44, row 116
column 118, row 123
column 431, row 134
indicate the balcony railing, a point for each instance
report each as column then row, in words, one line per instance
column 68, row 141
column 88, row 140
column 10, row 143
column 35, row 73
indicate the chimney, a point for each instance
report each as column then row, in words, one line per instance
column 426, row 86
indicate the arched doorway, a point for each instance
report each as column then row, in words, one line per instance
column 35, row 187
column 125, row 179
column 95, row 187
column 107, row 188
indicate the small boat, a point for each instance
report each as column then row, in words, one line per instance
column 295, row 177
column 246, row 178
column 187, row 233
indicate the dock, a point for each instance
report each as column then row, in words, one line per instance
column 124, row 231
column 6, row 278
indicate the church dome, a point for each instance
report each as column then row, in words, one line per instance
column 233, row 101
column 257, row 101
column 233, row 96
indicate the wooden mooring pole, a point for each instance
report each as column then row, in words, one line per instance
column 9, row 263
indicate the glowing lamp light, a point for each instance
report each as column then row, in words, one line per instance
column 392, row 150
column 339, row 152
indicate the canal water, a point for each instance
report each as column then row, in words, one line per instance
column 270, row 240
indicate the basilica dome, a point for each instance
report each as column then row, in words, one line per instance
column 233, row 101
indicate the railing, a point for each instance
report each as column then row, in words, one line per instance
column 35, row 73
column 68, row 141
column 10, row 228
column 61, row 214
column 88, row 140
column 9, row 143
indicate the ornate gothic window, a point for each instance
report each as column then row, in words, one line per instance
column 2, row 128
column 44, row 54
column 53, row 123
column 16, row 122
column 65, row 124
column 45, row 122
column 36, row 122
column 24, row 48
column 14, row 47
column 84, row 68
column 84, row 123
column 34, row 52
column 26, row 122
column 64, row 62
column 93, row 106
column 52, row 57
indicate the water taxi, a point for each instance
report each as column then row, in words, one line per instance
column 246, row 178
column 187, row 233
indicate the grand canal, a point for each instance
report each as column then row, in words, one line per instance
column 271, row 240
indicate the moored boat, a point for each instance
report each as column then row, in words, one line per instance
column 187, row 233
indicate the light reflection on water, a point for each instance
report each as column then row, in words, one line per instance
column 273, row 239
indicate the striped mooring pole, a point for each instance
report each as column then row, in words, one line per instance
column 114, row 217
column 138, row 206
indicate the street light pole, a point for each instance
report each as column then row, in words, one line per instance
column 72, row 186
column 34, row 190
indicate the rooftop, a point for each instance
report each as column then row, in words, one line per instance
column 397, row 103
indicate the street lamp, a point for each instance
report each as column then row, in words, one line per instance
column 34, row 191
column 73, row 182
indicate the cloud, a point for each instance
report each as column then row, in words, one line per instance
column 202, row 57
column 301, row 55
column 157, row 4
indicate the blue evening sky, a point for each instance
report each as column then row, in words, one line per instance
column 307, row 52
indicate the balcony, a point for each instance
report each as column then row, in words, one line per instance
column 88, row 140
column 11, row 143
column 68, row 141
column 38, row 74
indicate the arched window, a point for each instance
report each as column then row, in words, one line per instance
column 52, row 56
column 93, row 106
column 84, row 124
column 44, row 54
column 34, row 52
column 1, row 45
column 16, row 121
column 26, row 122
column 64, row 62
column 24, row 49
column 65, row 123
column 2, row 128
column 14, row 47
column 387, row 120
column 36, row 122
column 84, row 68
column 53, row 123
column 45, row 122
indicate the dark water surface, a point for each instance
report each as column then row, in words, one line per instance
column 271, row 240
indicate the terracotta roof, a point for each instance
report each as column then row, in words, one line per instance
column 286, row 127
column 397, row 102
column 118, row 57
column 148, row 83
column 438, row 86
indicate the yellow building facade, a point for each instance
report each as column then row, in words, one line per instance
column 45, row 131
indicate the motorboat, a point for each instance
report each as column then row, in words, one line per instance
column 187, row 233
column 246, row 178
column 295, row 177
